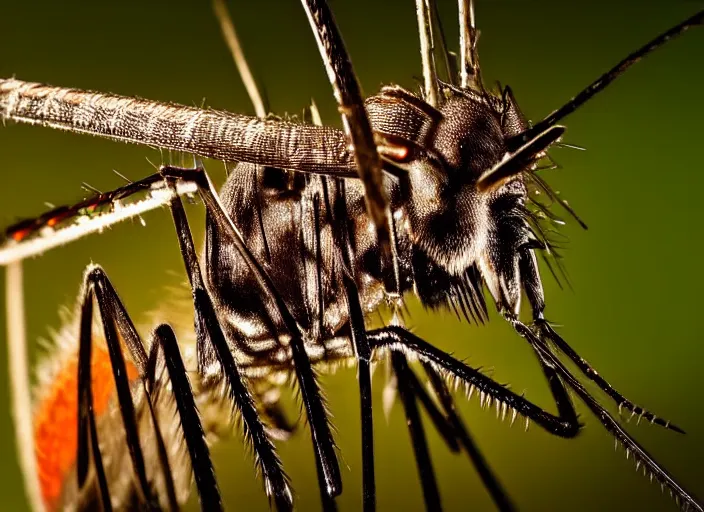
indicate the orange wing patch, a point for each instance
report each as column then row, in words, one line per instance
column 56, row 419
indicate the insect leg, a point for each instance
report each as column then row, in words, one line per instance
column 354, row 116
column 442, row 424
column 358, row 337
column 162, row 452
column 401, row 341
column 163, row 338
column 470, row 74
column 65, row 224
column 113, row 318
column 117, row 324
column 87, row 431
column 431, row 494
column 632, row 447
column 281, row 427
column 427, row 52
column 329, row 476
column 490, row 481
column 396, row 338
column 534, row 292
column 213, row 348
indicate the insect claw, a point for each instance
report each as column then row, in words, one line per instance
column 513, row 416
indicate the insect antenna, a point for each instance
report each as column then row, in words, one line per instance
column 604, row 80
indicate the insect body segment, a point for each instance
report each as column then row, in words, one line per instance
column 314, row 228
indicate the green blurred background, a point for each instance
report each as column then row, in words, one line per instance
column 635, row 311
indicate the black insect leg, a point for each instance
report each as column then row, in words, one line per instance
column 163, row 338
column 358, row 337
column 88, row 447
column 400, row 340
column 641, row 456
column 442, row 424
column 534, row 292
column 537, row 337
column 354, row 116
column 489, row 479
column 431, row 494
column 116, row 320
column 363, row 352
column 549, row 333
column 564, row 425
column 397, row 338
column 162, row 453
column 211, row 339
column 113, row 318
column 329, row 478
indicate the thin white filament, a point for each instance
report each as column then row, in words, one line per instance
column 19, row 384
column 233, row 43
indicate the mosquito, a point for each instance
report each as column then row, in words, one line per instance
column 428, row 193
